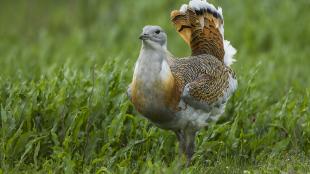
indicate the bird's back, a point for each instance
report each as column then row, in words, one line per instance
column 188, row 69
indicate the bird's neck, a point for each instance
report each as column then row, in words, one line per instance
column 152, row 67
column 151, row 45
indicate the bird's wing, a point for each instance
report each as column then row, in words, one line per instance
column 201, row 79
column 201, row 26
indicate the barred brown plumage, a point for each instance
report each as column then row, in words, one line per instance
column 207, row 76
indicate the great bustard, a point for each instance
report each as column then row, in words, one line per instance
column 185, row 94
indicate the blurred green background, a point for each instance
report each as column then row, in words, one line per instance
column 64, row 67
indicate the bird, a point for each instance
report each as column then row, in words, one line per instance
column 184, row 94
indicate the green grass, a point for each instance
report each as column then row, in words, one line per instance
column 65, row 67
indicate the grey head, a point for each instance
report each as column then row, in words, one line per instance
column 154, row 36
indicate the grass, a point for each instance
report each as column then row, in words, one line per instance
column 65, row 67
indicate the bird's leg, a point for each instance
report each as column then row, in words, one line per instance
column 180, row 137
column 186, row 140
column 190, row 135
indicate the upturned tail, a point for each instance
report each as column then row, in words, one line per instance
column 203, row 30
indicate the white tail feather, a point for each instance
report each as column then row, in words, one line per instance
column 230, row 51
column 203, row 4
column 197, row 4
column 184, row 8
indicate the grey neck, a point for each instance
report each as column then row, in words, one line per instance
column 151, row 56
column 148, row 44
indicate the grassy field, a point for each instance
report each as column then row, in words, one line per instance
column 65, row 67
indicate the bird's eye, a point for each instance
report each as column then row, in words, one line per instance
column 157, row 31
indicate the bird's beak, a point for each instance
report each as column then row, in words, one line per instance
column 144, row 36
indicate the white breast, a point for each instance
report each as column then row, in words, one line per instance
column 165, row 71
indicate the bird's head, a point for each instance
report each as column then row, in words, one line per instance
column 154, row 36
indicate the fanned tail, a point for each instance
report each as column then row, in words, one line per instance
column 209, row 18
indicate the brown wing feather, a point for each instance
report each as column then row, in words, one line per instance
column 206, row 75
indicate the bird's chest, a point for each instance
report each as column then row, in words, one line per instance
column 152, row 87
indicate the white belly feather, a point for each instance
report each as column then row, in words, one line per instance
column 198, row 117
